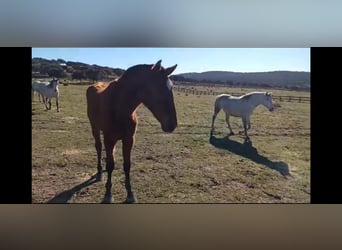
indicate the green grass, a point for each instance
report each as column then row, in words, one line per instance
column 179, row 167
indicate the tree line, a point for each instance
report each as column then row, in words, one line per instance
column 72, row 70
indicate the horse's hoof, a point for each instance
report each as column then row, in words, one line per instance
column 99, row 177
column 107, row 198
column 131, row 200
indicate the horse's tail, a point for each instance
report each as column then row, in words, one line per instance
column 217, row 106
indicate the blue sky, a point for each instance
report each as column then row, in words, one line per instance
column 188, row 59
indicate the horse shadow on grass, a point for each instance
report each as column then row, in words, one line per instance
column 247, row 150
column 65, row 196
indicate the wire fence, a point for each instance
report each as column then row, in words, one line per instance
column 299, row 99
column 193, row 91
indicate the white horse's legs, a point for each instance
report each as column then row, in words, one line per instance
column 57, row 103
column 49, row 103
column 230, row 128
column 212, row 123
column 246, row 125
column 45, row 101
column 216, row 111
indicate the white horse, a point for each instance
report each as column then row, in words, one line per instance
column 241, row 106
column 48, row 90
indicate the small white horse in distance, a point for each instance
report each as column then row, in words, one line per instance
column 241, row 106
column 48, row 90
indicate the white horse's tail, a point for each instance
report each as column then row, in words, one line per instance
column 217, row 108
column 218, row 105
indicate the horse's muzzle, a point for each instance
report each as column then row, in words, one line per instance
column 271, row 109
column 169, row 128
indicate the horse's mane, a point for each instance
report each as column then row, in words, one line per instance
column 248, row 95
column 132, row 70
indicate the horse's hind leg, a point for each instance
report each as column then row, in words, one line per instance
column 212, row 123
column 98, row 146
column 127, row 145
column 217, row 109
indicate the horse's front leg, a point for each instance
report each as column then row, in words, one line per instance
column 127, row 145
column 57, row 103
column 49, row 103
column 245, row 122
column 45, row 101
column 98, row 146
column 228, row 123
column 109, row 145
column 248, row 122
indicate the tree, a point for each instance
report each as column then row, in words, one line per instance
column 61, row 61
column 78, row 74
column 56, row 71
column 94, row 74
column 35, row 67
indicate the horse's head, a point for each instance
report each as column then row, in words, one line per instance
column 53, row 83
column 268, row 101
column 158, row 97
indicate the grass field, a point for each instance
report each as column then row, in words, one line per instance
column 186, row 166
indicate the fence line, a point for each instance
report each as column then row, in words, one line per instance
column 300, row 99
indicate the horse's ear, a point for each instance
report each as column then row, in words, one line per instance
column 170, row 69
column 156, row 66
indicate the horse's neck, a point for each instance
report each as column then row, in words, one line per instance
column 255, row 101
column 125, row 96
column 53, row 85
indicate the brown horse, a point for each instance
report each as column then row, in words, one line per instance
column 112, row 109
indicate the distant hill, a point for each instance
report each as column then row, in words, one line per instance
column 77, row 70
column 278, row 79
